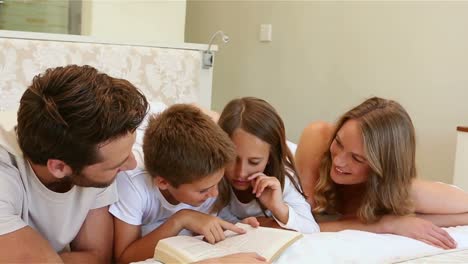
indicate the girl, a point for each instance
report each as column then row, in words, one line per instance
column 262, row 181
column 364, row 168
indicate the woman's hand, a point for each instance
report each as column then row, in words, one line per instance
column 419, row 229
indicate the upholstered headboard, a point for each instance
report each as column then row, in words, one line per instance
column 168, row 74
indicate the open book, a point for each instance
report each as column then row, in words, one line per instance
column 267, row 242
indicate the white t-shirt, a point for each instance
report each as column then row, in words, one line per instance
column 141, row 203
column 300, row 217
column 25, row 201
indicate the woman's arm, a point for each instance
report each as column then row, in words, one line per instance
column 313, row 143
column 438, row 198
column 442, row 204
column 446, row 220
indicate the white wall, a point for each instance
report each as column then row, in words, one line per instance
column 326, row 57
column 141, row 21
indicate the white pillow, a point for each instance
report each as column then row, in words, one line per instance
column 8, row 119
column 292, row 146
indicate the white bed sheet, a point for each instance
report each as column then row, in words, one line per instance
column 352, row 246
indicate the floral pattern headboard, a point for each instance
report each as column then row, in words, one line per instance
column 165, row 75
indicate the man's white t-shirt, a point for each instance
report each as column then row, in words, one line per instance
column 141, row 203
column 25, row 201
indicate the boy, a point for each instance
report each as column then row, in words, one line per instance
column 185, row 153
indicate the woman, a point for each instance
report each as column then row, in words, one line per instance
column 262, row 181
column 362, row 170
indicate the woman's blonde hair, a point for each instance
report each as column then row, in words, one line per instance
column 259, row 118
column 390, row 148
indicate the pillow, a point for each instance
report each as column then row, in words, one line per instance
column 292, row 146
column 8, row 119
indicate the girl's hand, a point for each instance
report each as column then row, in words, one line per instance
column 252, row 221
column 268, row 191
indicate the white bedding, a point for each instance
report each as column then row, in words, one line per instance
column 352, row 246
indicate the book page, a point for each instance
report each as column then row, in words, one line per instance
column 267, row 242
column 264, row 241
column 195, row 248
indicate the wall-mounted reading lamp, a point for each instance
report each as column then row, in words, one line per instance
column 208, row 54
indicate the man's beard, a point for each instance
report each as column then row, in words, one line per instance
column 81, row 180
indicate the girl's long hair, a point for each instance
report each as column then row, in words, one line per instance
column 259, row 118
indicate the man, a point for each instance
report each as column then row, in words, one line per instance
column 75, row 132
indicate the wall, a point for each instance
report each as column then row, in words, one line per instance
column 140, row 21
column 328, row 56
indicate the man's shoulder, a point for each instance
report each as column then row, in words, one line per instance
column 5, row 156
column 12, row 185
column 8, row 164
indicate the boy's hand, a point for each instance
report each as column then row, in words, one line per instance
column 252, row 221
column 211, row 227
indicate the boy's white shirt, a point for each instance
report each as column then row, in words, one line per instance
column 300, row 217
column 141, row 203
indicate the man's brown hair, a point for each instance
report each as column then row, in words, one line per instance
column 182, row 145
column 68, row 112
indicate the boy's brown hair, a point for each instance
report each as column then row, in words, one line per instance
column 68, row 112
column 182, row 144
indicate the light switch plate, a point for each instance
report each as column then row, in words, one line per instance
column 265, row 32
